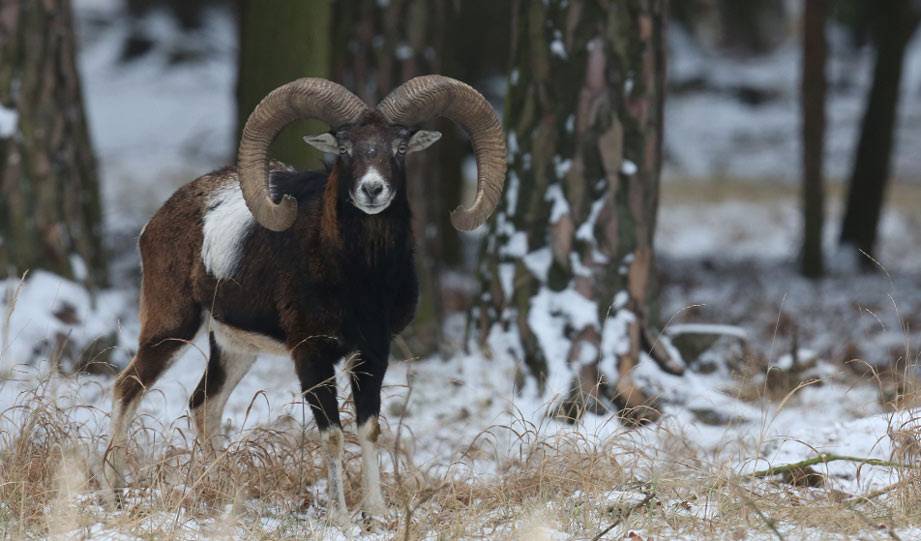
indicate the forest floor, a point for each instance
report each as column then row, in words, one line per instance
column 796, row 371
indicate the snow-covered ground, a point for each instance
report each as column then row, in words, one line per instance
column 726, row 255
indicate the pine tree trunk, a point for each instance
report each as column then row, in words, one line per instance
column 814, row 87
column 50, row 215
column 568, row 270
column 280, row 41
column 897, row 20
column 378, row 46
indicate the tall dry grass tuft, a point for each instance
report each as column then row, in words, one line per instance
column 518, row 480
column 40, row 468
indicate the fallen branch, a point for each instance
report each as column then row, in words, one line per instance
column 879, row 492
column 823, row 458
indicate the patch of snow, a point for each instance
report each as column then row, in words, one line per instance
column 560, row 206
column 557, row 47
column 628, row 168
column 538, row 262
column 9, row 119
column 706, row 328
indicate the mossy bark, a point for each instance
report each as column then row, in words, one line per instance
column 567, row 275
column 280, row 41
column 50, row 213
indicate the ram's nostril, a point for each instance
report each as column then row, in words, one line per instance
column 372, row 189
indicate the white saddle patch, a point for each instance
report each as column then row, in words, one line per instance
column 227, row 221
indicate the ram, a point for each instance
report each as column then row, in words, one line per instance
column 314, row 265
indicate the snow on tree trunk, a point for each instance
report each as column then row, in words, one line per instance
column 567, row 275
column 50, row 214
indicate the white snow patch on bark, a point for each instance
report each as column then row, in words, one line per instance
column 586, row 231
column 516, row 246
column 560, row 205
column 561, row 166
column 538, row 262
column 511, row 192
column 9, row 119
column 507, row 278
column 628, row 168
column 550, row 315
column 557, row 47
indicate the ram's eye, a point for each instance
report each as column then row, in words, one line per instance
column 343, row 149
column 402, row 148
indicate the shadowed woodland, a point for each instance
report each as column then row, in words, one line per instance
column 699, row 293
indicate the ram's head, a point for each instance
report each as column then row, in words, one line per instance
column 371, row 144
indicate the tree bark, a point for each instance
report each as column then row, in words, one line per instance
column 895, row 23
column 289, row 40
column 567, row 273
column 50, row 214
column 814, row 86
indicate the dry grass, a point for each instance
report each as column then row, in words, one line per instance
column 269, row 482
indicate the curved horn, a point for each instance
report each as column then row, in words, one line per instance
column 302, row 98
column 429, row 96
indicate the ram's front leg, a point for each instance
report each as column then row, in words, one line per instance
column 315, row 368
column 367, row 378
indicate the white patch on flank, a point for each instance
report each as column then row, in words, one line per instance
column 226, row 223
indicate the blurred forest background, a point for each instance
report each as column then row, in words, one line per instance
column 712, row 213
column 784, row 134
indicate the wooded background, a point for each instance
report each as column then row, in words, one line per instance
column 581, row 86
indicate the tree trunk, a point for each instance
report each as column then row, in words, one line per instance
column 814, row 86
column 277, row 45
column 896, row 22
column 567, row 275
column 752, row 26
column 50, row 215
column 378, row 46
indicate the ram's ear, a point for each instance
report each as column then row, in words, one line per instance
column 421, row 140
column 324, row 142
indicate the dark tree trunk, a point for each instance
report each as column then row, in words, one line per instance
column 895, row 23
column 751, row 26
column 278, row 45
column 568, row 269
column 378, row 46
column 50, row 214
column 814, row 85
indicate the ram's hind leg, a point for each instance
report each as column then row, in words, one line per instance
column 163, row 335
column 226, row 367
